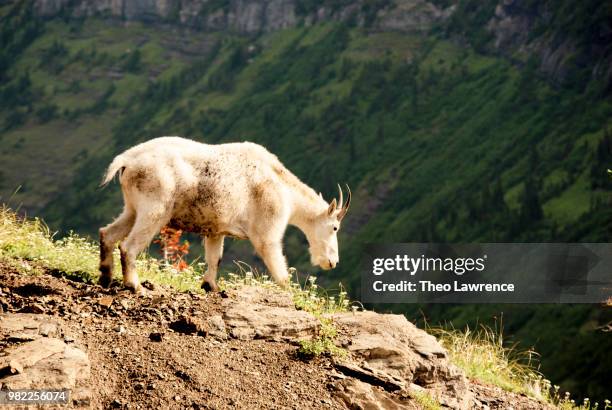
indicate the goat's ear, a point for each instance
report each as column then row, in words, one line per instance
column 321, row 195
column 332, row 207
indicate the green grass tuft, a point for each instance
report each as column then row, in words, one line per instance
column 425, row 400
column 484, row 356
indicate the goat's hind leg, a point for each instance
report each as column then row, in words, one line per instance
column 146, row 226
column 109, row 236
column 213, row 249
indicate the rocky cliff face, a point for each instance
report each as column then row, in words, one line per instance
column 252, row 16
column 516, row 25
column 522, row 28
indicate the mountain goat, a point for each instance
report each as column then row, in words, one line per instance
column 236, row 189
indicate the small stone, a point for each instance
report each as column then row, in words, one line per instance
column 156, row 336
column 182, row 375
column 116, row 404
column 15, row 367
column 139, row 386
column 34, row 308
column 47, row 329
column 148, row 285
column 21, row 337
column 120, row 329
column 189, row 325
column 105, row 301
column 177, row 398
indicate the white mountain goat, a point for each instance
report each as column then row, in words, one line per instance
column 237, row 189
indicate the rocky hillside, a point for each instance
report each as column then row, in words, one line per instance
column 254, row 17
column 518, row 29
column 236, row 349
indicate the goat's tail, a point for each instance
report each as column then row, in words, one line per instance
column 117, row 165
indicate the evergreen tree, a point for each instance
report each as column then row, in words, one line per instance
column 531, row 209
column 602, row 160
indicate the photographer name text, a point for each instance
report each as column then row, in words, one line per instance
column 411, row 266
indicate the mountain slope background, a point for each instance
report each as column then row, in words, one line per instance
column 463, row 121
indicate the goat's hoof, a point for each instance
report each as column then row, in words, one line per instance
column 209, row 287
column 134, row 287
column 105, row 281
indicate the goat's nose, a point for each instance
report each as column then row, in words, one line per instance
column 332, row 264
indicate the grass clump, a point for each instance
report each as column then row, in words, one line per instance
column 311, row 298
column 425, row 400
column 324, row 343
column 29, row 246
column 484, row 356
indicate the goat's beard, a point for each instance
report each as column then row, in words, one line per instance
column 320, row 262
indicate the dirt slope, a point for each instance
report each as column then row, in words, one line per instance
column 159, row 351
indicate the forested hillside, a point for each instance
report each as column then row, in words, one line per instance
column 485, row 122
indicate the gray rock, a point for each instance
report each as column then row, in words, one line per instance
column 410, row 16
column 359, row 395
column 43, row 361
column 261, row 313
column 514, row 27
column 248, row 321
column 216, row 327
column 27, row 326
column 390, row 346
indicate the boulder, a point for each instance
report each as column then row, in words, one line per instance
column 359, row 395
column 391, row 347
column 35, row 359
column 260, row 313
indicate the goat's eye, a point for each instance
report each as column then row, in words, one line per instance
column 335, row 228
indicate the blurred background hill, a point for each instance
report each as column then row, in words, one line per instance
column 457, row 121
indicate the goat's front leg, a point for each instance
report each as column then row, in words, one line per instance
column 213, row 248
column 272, row 255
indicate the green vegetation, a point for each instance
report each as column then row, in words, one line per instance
column 309, row 298
column 324, row 343
column 439, row 140
column 425, row 400
column 30, row 246
column 484, row 355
